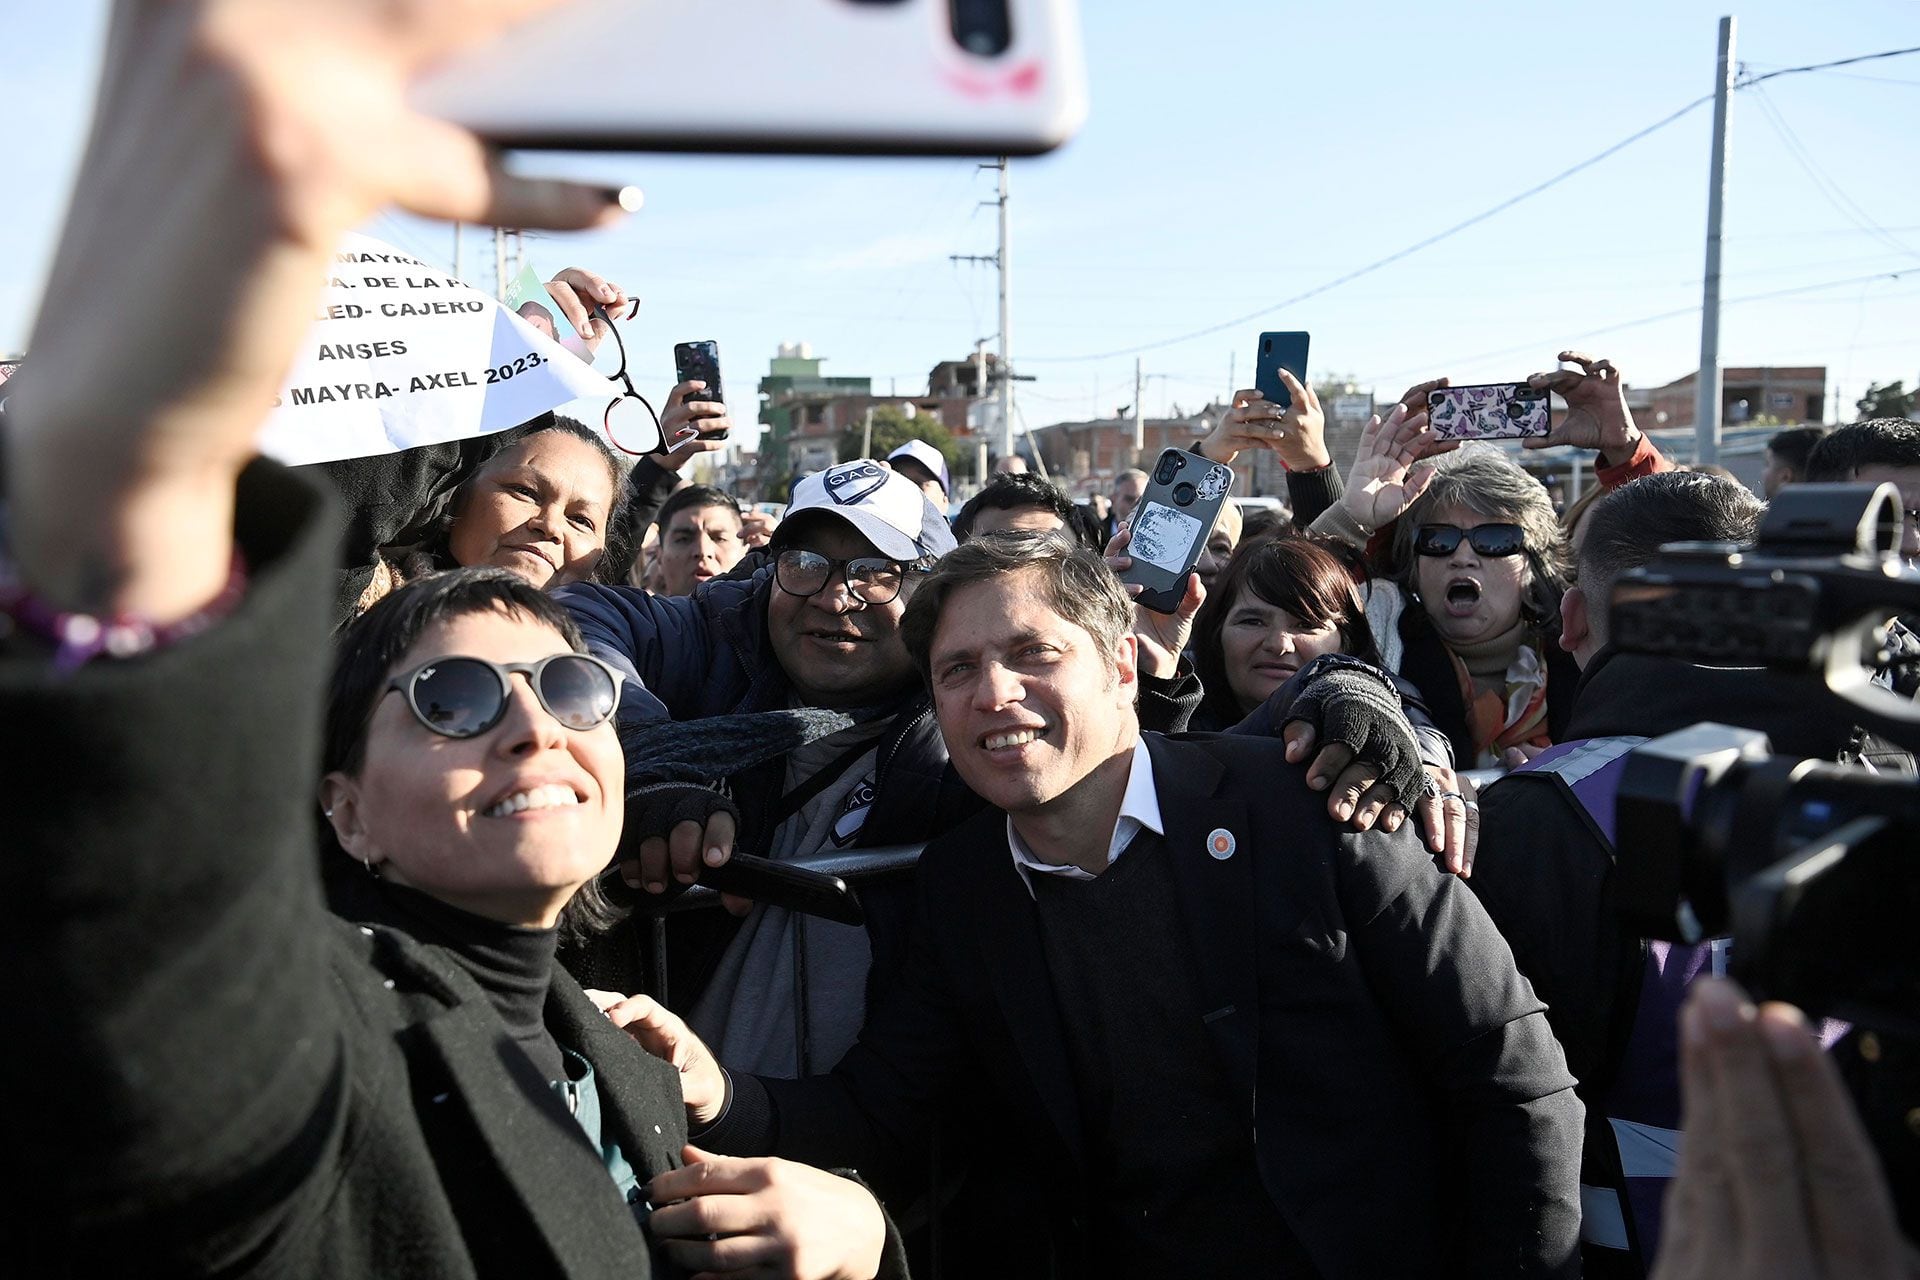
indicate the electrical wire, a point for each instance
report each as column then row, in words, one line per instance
column 1822, row 181
column 1391, row 258
column 1475, row 220
column 1623, row 325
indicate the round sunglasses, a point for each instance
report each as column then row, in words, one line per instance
column 1487, row 539
column 461, row 697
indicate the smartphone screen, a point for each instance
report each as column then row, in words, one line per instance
column 1280, row 351
column 1490, row 411
column 1183, row 498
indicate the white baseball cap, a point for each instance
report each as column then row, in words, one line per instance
column 883, row 506
column 927, row 456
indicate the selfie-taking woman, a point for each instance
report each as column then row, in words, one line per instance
column 213, row 1075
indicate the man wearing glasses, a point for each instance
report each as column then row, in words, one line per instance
column 819, row 627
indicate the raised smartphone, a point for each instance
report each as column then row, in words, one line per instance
column 1279, row 351
column 1490, row 411
column 903, row 77
column 1183, row 498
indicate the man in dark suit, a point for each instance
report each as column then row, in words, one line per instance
column 1200, row 1029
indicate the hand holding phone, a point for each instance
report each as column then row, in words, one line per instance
column 1169, row 528
column 1280, row 351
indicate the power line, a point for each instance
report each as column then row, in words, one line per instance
column 1623, row 325
column 1475, row 220
column 1822, row 181
column 1391, row 258
column 1828, row 66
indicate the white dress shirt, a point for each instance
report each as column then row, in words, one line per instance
column 1140, row 807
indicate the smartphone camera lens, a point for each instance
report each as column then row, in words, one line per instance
column 1169, row 468
column 1516, row 410
column 982, row 27
column 1183, row 494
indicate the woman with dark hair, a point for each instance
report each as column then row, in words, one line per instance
column 539, row 501
column 1279, row 604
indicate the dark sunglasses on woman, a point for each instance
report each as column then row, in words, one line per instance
column 1487, row 539
column 460, row 697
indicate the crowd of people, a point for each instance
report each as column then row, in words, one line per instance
column 356, row 793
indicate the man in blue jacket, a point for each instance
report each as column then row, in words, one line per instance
column 817, row 627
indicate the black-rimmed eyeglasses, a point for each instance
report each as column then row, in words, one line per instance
column 869, row 579
column 623, row 410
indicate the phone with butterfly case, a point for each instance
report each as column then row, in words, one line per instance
column 1182, row 499
column 899, row 77
column 1490, row 411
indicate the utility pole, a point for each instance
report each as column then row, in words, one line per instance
column 866, row 435
column 1139, row 421
column 1006, row 325
column 457, row 273
column 1706, row 403
column 980, row 394
column 500, row 264
column 1001, row 262
column 1233, row 374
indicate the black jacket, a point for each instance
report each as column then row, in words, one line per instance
column 1543, row 869
column 709, row 654
column 1411, row 1113
column 209, row 1073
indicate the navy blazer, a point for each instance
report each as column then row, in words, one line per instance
column 1411, row 1112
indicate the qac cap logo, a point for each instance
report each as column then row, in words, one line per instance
column 851, row 484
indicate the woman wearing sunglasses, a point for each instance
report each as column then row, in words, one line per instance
column 1478, row 555
column 213, row 1075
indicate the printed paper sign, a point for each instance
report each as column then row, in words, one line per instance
column 1162, row 537
column 402, row 354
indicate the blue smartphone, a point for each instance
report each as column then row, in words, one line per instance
column 1280, row 351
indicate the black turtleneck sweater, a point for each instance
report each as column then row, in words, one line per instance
column 511, row 963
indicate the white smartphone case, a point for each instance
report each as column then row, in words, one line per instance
column 882, row 76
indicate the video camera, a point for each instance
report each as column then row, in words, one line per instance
column 1807, row 864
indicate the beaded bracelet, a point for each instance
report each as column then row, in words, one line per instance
column 78, row 638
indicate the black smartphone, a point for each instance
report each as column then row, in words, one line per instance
column 1279, row 351
column 1182, row 499
column 700, row 361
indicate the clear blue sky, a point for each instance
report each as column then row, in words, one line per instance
column 1239, row 152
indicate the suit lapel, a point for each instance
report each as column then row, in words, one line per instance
column 538, row 1149
column 1216, row 899
column 641, row 1105
column 1009, row 931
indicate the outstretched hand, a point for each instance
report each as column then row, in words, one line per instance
column 577, row 291
column 255, row 132
column 1389, row 471
column 1162, row 637
column 1296, row 431
column 1597, row 415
